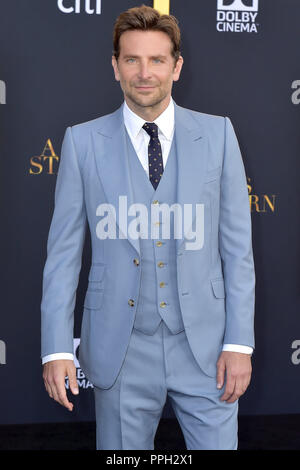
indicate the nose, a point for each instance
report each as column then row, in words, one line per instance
column 144, row 71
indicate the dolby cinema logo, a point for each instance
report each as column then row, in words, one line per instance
column 237, row 16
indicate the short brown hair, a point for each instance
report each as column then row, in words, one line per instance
column 146, row 18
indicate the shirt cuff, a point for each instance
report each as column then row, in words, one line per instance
column 238, row 348
column 56, row 356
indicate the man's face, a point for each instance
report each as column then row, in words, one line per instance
column 146, row 68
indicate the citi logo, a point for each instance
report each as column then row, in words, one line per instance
column 91, row 7
column 2, row 92
column 237, row 16
column 238, row 5
column 2, row 352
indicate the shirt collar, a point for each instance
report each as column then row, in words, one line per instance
column 165, row 121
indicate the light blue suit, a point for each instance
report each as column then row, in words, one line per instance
column 214, row 285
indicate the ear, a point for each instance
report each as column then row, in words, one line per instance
column 114, row 64
column 177, row 68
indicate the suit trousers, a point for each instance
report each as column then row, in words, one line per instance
column 157, row 366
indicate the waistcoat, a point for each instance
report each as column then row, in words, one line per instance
column 158, row 296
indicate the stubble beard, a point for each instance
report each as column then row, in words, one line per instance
column 153, row 103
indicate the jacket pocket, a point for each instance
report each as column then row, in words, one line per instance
column 93, row 298
column 96, row 272
column 218, row 288
column 94, row 294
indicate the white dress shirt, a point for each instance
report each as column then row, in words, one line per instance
column 140, row 140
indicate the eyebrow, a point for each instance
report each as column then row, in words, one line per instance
column 128, row 56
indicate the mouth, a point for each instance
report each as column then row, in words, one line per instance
column 145, row 88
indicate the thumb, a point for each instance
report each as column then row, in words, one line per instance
column 72, row 380
column 220, row 374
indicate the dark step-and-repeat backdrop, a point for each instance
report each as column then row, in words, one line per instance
column 242, row 61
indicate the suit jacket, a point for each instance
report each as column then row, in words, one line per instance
column 216, row 284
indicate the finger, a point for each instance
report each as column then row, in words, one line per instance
column 62, row 395
column 63, row 399
column 248, row 379
column 239, row 390
column 220, row 374
column 245, row 381
column 53, row 390
column 72, row 380
column 48, row 385
column 48, row 388
column 229, row 389
column 58, row 389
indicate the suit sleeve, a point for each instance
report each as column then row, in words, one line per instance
column 64, row 253
column 235, row 241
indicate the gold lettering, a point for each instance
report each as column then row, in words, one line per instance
column 48, row 147
column 253, row 199
column 50, row 158
column 49, row 154
column 270, row 204
column 163, row 6
column 33, row 163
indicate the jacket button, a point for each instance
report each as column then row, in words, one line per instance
column 163, row 304
column 136, row 261
column 158, row 243
column 131, row 302
column 161, row 284
column 155, row 202
column 160, row 264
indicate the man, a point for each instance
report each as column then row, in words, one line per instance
column 163, row 315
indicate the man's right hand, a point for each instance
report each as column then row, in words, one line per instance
column 54, row 373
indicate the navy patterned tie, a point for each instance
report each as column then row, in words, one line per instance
column 155, row 160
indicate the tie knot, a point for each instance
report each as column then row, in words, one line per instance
column 151, row 128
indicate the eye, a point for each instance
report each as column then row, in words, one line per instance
column 157, row 61
column 130, row 60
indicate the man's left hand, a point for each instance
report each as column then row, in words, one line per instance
column 237, row 367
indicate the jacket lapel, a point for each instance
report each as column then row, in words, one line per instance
column 113, row 170
column 192, row 161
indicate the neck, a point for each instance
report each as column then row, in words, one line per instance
column 148, row 113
